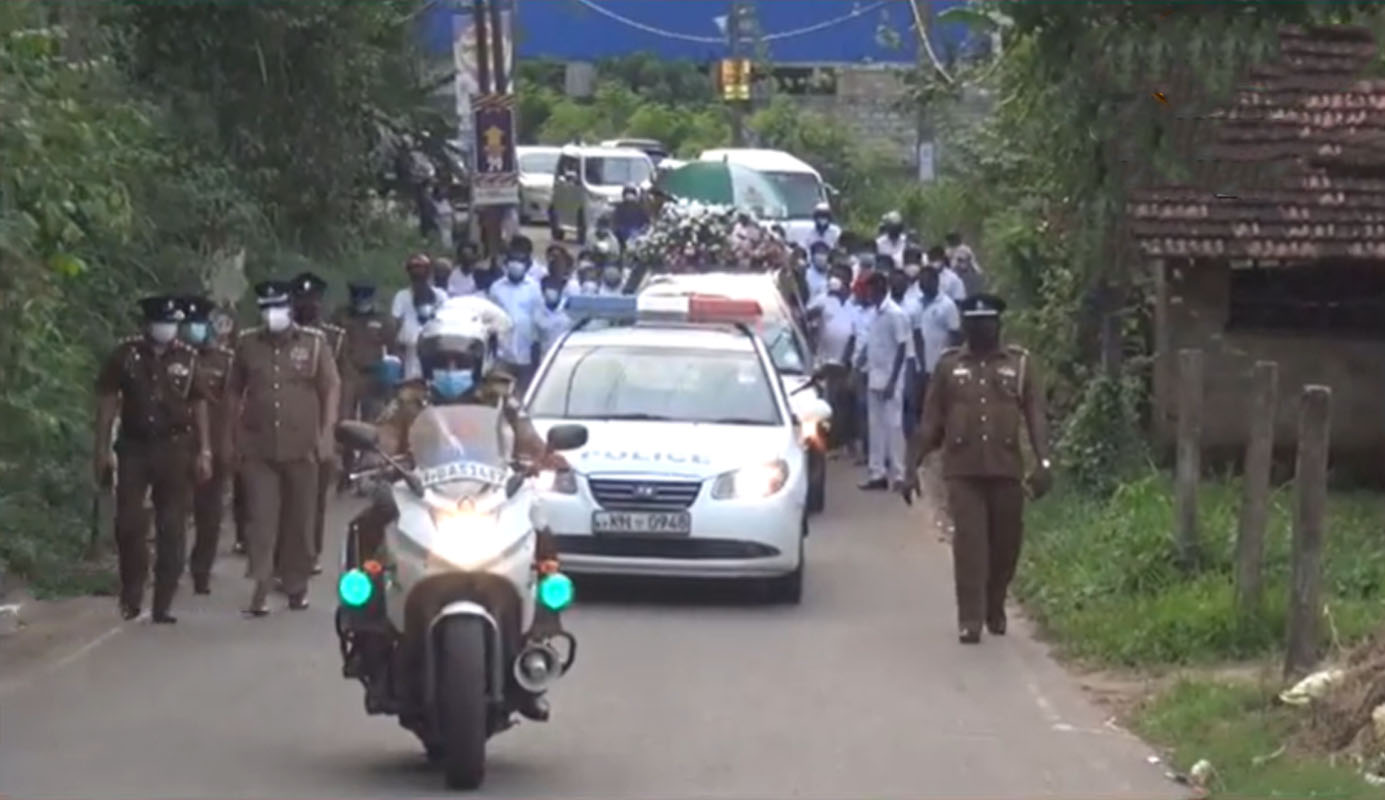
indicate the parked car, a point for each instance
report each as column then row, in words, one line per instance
column 537, row 166
column 588, row 182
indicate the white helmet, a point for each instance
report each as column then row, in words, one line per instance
column 464, row 327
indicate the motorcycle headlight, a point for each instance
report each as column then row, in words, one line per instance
column 562, row 481
column 462, row 538
column 751, row 482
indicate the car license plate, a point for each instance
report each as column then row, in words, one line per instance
column 659, row 522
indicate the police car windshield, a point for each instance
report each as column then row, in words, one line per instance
column 655, row 383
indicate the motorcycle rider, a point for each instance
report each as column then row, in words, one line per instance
column 458, row 357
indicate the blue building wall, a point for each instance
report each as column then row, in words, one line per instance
column 842, row 31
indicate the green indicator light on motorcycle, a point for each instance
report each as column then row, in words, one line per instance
column 355, row 588
column 556, row 591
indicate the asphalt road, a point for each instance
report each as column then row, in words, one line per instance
column 688, row 692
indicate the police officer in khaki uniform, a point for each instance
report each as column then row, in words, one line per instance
column 209, row 497
column 307, row 313
column 149, row 381
column 978, row 397
column 283, row 395
column 369, row 335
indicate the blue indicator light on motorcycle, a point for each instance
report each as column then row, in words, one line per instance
column 556, row 591
column 355, row 588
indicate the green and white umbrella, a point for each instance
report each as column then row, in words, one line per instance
column 725, row 184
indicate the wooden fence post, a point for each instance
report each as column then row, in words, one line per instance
column 1188, row 471
column 1310, row 486
column 1255, row 499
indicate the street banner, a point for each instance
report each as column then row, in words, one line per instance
column 468, row 81
column 496, row 180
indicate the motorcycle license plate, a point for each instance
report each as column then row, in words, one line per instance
column 658, row 522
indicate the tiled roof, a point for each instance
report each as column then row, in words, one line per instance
column 1310, row 113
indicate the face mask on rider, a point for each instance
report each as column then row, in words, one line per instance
column 822, row 222
column 515, row 270
column 196, row 333
column 163, row 332
column 276, row 319
column 453, row 383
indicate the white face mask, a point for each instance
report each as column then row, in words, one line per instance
column 912, row 270
column 163, row 332
column 276, row 319
column 820, row 260
column 516, row 269
column 834, row 284
column 551, row 295
column 590, row 287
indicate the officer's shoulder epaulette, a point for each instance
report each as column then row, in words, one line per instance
column 249, row 332
column 312, row 331
column 129, row 340
column 184, row 347
column 334, row 327
column 223, row 350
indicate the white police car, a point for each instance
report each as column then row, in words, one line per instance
column 780, row 329
column 694, row 465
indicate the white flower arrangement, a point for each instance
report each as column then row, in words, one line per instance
column 690, row 235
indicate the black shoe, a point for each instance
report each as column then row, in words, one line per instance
column 201, row 585
column 969, row 635
column 164, row 618
column 877, row 485
column 533, row 706
column 129, row 611
column 317, row 568
column 996, row 626
column 298, row 602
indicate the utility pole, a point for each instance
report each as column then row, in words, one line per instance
column 499, row 47
column 733, row 35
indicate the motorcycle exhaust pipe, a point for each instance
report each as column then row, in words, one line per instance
column 536, row 666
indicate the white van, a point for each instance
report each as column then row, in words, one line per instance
column 588, row 183
column 800, row 184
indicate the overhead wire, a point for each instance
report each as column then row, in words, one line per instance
column 771, row 37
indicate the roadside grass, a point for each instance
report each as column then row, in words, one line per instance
column 1238, row 728
column 1100, row 578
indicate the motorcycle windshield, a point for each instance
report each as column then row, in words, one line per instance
column 460, row 451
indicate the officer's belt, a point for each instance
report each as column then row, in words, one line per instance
column 151, row 437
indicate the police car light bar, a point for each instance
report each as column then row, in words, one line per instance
column 672, row 308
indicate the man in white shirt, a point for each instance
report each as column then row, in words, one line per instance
column 886, row 348
column 520, row 297
column 612, row 281
column 892, row 241
column 963, row 262
column 462, row 281
column 815, row 276
column 412, row 307
column 824, row 229
column 937, row 326
column 949, row 283
column 552, row 320
column 835, row 316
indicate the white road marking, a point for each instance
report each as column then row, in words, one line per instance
column 53, row 666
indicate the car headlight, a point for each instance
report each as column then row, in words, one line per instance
column 751, row 482
column 562, row 481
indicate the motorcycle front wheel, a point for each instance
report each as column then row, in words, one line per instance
column 462, row 701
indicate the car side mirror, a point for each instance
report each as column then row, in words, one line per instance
column 832, row 191
column 567, row 437
column 357, row 435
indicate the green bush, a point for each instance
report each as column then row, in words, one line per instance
column 1100, row 575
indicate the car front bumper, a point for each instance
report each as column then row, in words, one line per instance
column 729, row 539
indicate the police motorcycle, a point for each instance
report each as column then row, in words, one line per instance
column 449, row 622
